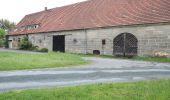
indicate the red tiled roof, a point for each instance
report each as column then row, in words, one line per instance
column 97, row 13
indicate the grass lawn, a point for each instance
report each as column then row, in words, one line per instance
column 148, row 90
column 151, row 59
column 19, row 61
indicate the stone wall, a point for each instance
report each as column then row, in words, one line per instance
column 14, row 40
column 151, row 38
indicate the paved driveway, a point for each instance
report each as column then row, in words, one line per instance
column 99, row 71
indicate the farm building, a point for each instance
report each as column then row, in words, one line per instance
column 105, row 27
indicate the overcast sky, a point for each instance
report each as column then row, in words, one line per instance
column 15, row 10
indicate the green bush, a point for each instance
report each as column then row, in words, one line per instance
column 2, row 33
column 44, row 50
column 25, row 44
column 34, row 48
column 6, row 43
column 1, row 43
column 2, row 37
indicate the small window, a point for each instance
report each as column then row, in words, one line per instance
column 29, row 27
column 36, row 26
column 96, row 52
column 22, row 28
column 19, row 39
column 103, row 42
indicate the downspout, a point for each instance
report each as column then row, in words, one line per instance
column 86, row 39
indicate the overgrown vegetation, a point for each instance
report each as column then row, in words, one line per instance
column 18, row 61
column 25, row 44
column 2, row 33
column 2, row 37
column 1, row 43
column 44, row 50
column 6, row 45
column 148, row 90
column 5, row 26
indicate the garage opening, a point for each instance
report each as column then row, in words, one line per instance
column 125, row 44
column 59, row 43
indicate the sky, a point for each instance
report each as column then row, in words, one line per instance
column 15, row 10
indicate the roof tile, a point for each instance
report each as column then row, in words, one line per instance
column 97, row 13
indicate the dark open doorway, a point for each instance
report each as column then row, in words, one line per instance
column 59, row 43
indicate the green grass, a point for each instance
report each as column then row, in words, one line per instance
column 148, row 90
column 151, row 59
column 18, row 61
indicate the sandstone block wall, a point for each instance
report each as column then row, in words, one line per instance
column 151, row 38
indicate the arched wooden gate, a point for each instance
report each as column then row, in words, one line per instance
column 125, row 44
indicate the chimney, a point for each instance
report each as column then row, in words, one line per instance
column 46, row 8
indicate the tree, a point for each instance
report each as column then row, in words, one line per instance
column 2, row 33
column 2, row 37
column 6, row 24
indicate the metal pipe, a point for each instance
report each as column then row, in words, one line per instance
column 86, row 40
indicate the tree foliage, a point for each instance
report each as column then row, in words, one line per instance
column 2, row 37
column 6, row 24
column 2, row 33
column 25, row 44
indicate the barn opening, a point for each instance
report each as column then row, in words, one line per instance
column 59, row 43
column 125, row 44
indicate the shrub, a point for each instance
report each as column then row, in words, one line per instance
column 25, row 44
column 2, row 37
column 44, row 50
column 6, row 43
column 34, row 48
column 2, row 33
column 1, row 43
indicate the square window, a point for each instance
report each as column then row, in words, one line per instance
column 103, row 42
column 19, row 39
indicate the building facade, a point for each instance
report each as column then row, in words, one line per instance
column 142, row 38
column 151, row 38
